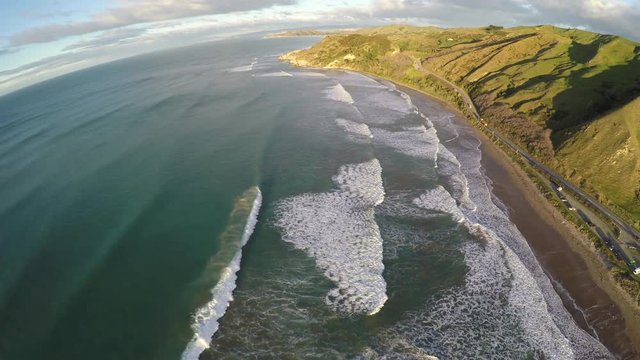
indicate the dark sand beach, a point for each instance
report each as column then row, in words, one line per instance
column 588, row 292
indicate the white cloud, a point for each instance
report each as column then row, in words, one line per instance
column 104, row 46
column 614, row 16
column 390, row 4
column 137, row 12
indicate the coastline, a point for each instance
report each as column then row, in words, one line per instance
column 565, row 255
column 596, row 303
column 588, row 291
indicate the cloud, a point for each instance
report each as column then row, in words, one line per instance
column 618, row 17
column 112, row 37
column 136, row 12
column 614, row 16
column 30, row 73
column 390, row 4
column 7, row 51
column 134, row 40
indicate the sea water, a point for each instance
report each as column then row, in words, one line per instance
column 213, row 202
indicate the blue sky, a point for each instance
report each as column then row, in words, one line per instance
column 40, row 39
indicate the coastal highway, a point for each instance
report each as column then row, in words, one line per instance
column 584, row 197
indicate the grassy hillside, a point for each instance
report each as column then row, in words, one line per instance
column 605, row 156
column 549, row 89
column 307, row 32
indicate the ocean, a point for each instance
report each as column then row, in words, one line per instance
column 213, row 202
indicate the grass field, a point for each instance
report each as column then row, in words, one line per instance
column 568, row 96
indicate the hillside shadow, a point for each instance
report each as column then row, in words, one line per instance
column 586, row 99
column 544, row 79
column 535, row 58
column 530, row 83
column 583, row 53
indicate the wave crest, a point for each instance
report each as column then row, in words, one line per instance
column 243, row 220
column 338, row 230
column 338, row 93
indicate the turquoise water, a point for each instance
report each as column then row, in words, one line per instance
column 128, row 190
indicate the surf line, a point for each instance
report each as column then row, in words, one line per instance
column 226, row 262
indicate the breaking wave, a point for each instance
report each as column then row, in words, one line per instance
column 310, row 74
column 450, row 169
column 499, row 313
column 338, row 230
column 526, row 294
column 245, row 68
column 418, row 142
column 338, row 93
column 506, row 307
column 354, row 128
column 242, row 222
column 276, row 74
column 503, row 307
column 438, row 199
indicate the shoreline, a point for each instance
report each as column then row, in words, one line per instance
column 585, row 286
column 588, row 292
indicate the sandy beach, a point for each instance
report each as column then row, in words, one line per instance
column 588, row 292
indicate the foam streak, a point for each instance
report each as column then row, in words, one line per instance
column 338, row 93
column 206, row 318
column 338, row 230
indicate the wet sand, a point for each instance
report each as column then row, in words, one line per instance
column 596, row 303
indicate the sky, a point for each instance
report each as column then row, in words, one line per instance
column 41, row 39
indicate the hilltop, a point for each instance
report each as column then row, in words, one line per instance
column 569, row 96
column 293, row 33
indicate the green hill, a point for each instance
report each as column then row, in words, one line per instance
column 549, row 89
column 604, row 157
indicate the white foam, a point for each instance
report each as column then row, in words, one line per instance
column 439, row 199
column 529, row 303
column 388, row 100
column 507, row 306
column 407, row 99
column 206, row 318
column 338, row 230
column 425, row 117
column 380, row 96
column 418, row 142
column 468, row 322
column 354, row 128
column 309, row 74
column 276, row 74
column 338, row 93
column 482, row 318
column 349, row 78
column 450, row 168
column 363, row 180
column 548, row 327
column 245, row 68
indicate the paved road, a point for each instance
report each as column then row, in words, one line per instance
column 541, row 167
column 472, row 107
